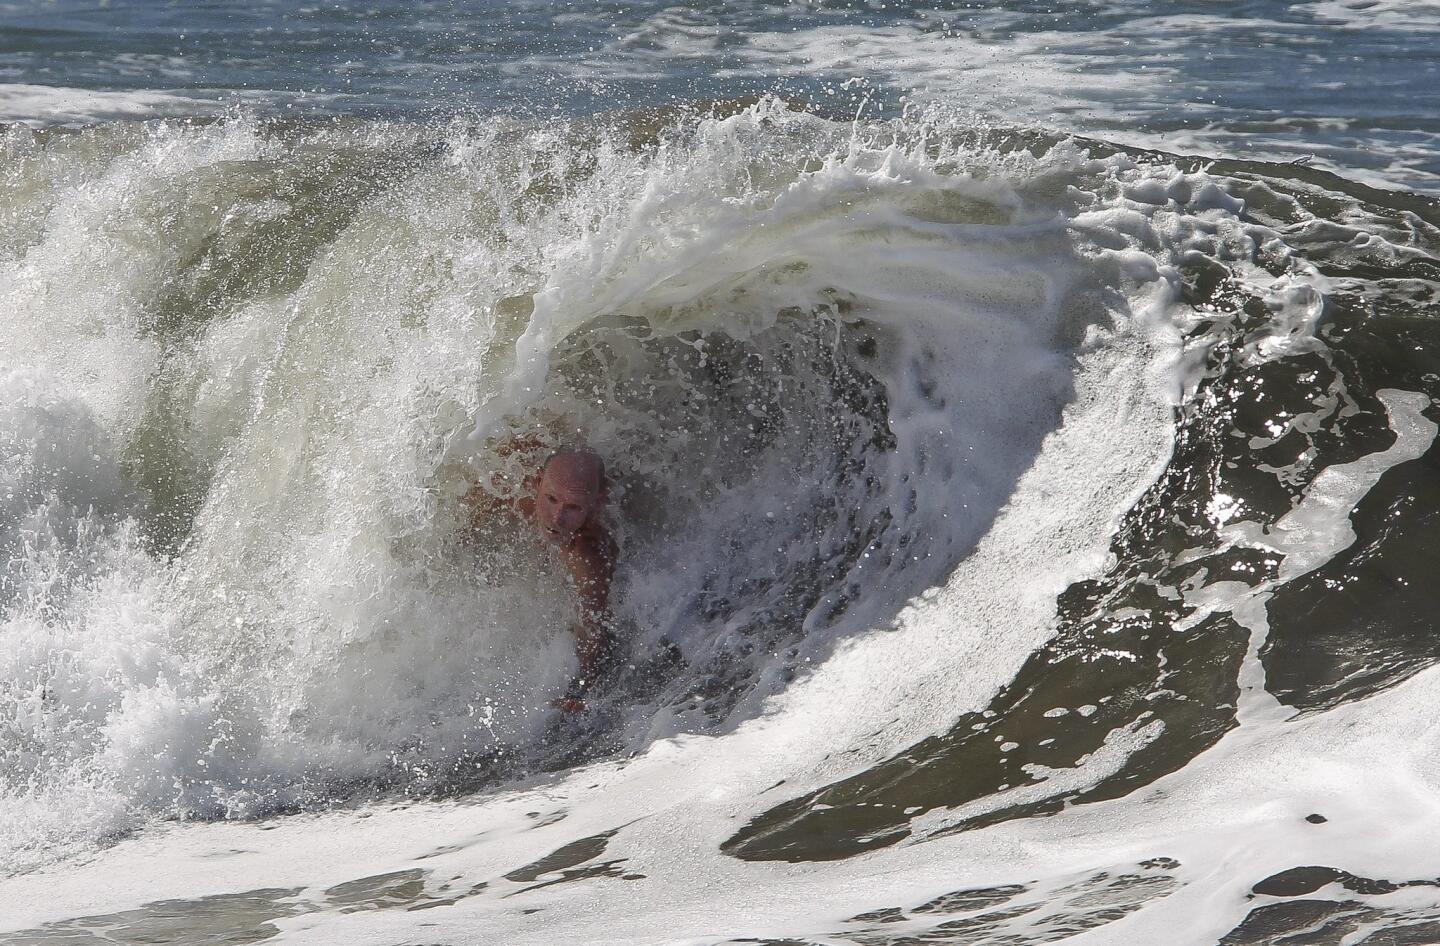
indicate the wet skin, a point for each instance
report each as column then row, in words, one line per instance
column 565, row 509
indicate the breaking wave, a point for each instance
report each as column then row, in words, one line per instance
column 251, row 368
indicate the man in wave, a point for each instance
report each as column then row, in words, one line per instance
column 569, row 495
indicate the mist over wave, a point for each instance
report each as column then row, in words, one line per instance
column 818, row 361
column 961, row 464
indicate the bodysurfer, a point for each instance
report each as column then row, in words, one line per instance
column 563, row 503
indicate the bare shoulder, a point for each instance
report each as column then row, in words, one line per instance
column 481, row 502
column 506, row 492
column 595, row 551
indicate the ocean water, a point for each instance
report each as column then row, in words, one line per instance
column 1022, row 429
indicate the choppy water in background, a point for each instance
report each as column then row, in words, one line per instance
column 1352, row 85
column 1022, row 422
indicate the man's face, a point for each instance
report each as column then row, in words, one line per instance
column 570, row 495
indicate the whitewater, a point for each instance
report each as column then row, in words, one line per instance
column 1024, row 503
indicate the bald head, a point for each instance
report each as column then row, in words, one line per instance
column 571, row 493
column 579, row 467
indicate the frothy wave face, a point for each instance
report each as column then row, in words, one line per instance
column 253, row 362
column 254, row 368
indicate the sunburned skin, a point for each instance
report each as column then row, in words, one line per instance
column 569, row 495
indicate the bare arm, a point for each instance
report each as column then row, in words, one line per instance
column 591, row 562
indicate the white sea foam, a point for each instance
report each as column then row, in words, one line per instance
column 58, row 105
column 1236, row 815
column 1389, row 14
column 317, row 626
